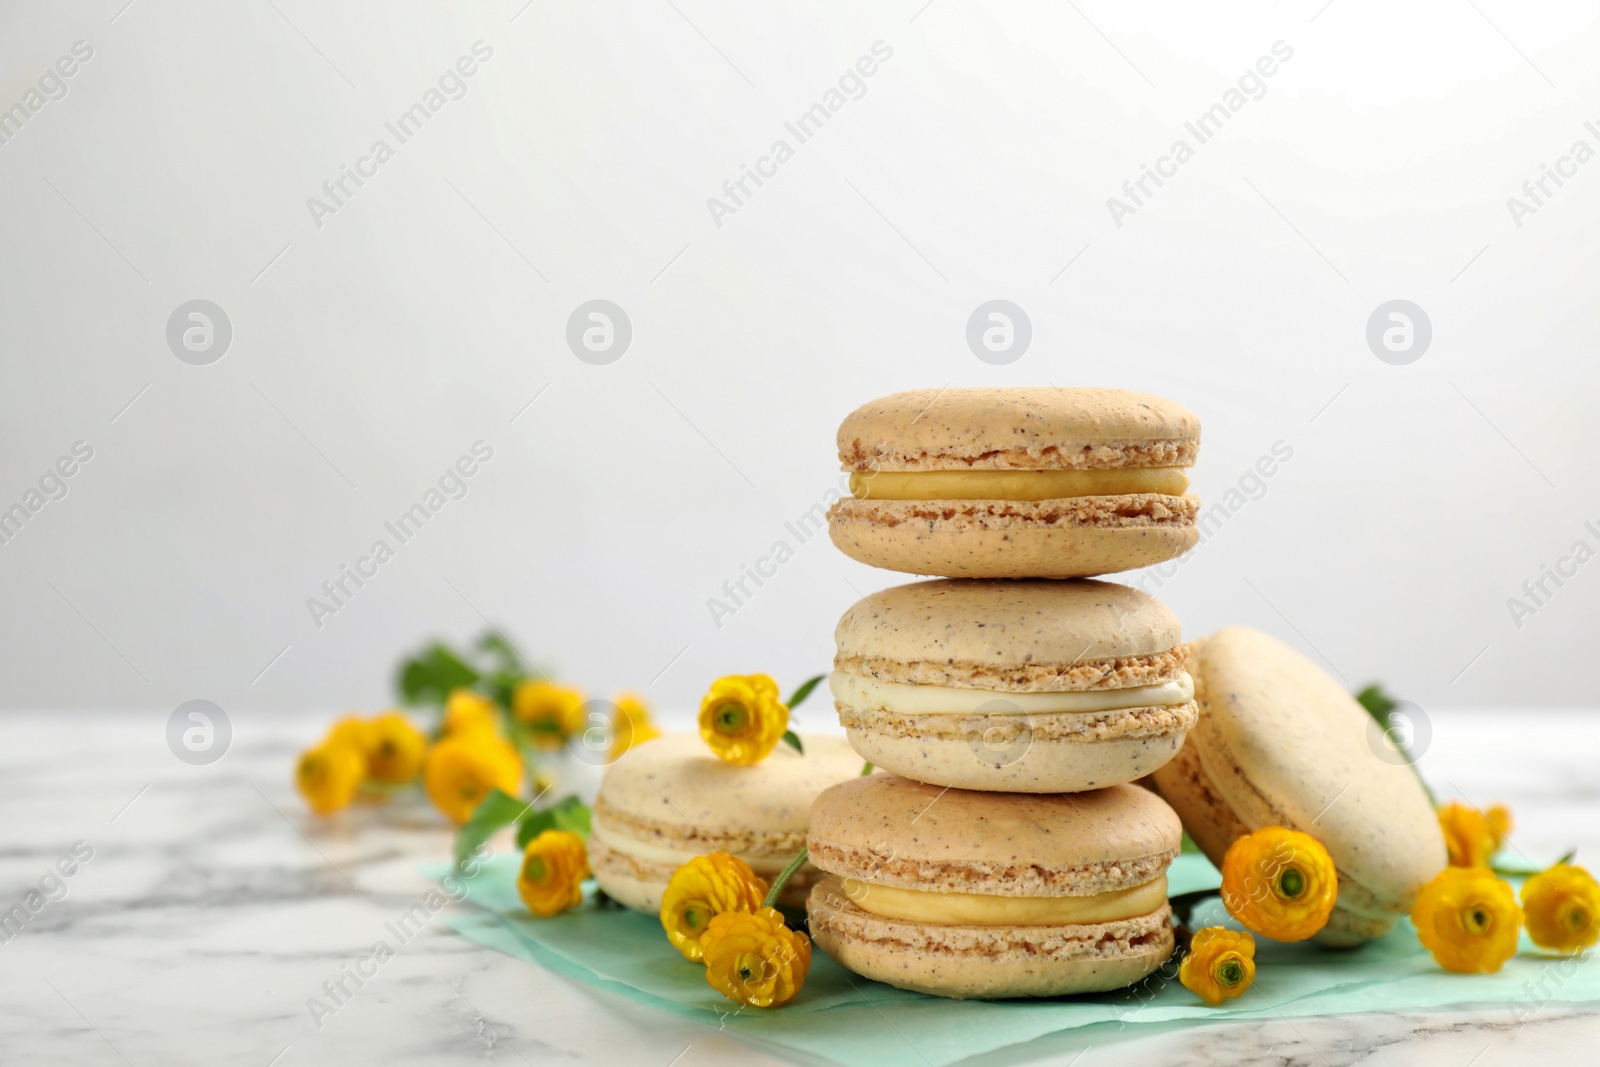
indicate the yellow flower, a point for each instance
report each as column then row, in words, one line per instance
column 1562, row 906
column 755, row 959
column 705, row 887
column 1499, row 817
column 553, row 869
column 350, row 730
column 459, row 771
column 394, row 749
column 1221, row 963
column 742, row 719
column 467, row 711
column 552, row 712
column 1469, row 835
column 632, row 726
column 1468, row 919
column 329, row 775
column 1280, row 883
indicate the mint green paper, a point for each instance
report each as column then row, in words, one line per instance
column 842, row 1017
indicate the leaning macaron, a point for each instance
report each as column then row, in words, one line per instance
column 1017, row 483
column 1015, row 686
column 1279, row 743
column 989, row 895
column 669, row 800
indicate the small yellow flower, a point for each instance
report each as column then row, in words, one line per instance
column 467, row 711
column 1221, row 963
column 329, row 775
column 1469, row 835
column 1562, row 908
column 742, row 719
column 551, row 712
column 394, row 749
column 553, row 869
column 350, row 730
column 632, row 726
column 1468, row 919
column 755, row 959
column 705, row 887
column 1280, row 883
column 1499, row 817
column 459, row 771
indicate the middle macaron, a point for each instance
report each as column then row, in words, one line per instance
column 1032, row 686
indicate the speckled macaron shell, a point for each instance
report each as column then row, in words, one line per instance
column 1017, row 429
column 673, row 793
column 1025, row 636
column 892, row 831
column 1279, row 742
column 988, row 962
column 1039, row 428
column 889, row 830
column 1020, row 636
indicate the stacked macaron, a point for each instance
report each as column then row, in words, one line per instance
column 1005, row 855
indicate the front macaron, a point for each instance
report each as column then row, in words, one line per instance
column 1280, row 743
column 669, row 800
column 992, row 895
column 1017, row 483
column 1013, row 686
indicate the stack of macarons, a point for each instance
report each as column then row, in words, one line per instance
column 1012, row 699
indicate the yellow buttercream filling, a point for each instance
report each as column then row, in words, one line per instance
column 983, row 909
column 1016, row 485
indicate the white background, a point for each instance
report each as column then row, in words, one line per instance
column 372, row 351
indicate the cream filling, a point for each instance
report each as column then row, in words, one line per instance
column 904, row 699
column 1016, row 485
column 983, row 909
column 671, row 857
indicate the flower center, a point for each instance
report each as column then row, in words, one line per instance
column 535, row 870
column 1291, row 883
column 1230, row 972
column 1477, row 920
column 749, row 967
column 693, row 918
column 731, row 719
column 1576, row 919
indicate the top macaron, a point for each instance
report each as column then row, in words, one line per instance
column 1017, row 483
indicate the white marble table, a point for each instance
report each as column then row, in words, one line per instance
column 214, row 906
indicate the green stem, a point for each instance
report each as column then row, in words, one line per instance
column 1183, row 904
column 782, row 880
column 866, row 769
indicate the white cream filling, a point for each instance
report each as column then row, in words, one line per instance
column 903, row 699
column 669, row 857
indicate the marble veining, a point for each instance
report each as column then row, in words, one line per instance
column 214, row 906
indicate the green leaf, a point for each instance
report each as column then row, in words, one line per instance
column 1188, row 844
column 508, row 659
column 431, row 675
column 1378, row 703
column 792, row 739
column 866, row 768
column 804, row 691
column 497, row 810
column 569, row 813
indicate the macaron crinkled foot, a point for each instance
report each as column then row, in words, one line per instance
column 992, row 895
column 671, row 799
column 1027, row 686
column 1017, row 483
column 1280, row 743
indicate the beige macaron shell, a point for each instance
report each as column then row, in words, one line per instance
column 1025, row 635
column 1039, row 428
column 1279, row 742
column 988, row 962
column 1004, row 539
column 673, row 793
column 892, row 831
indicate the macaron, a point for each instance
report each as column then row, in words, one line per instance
column 670, row 799
column 1280, row 743
column 989, row 895
column 1017, row 483
column 1025, row 686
